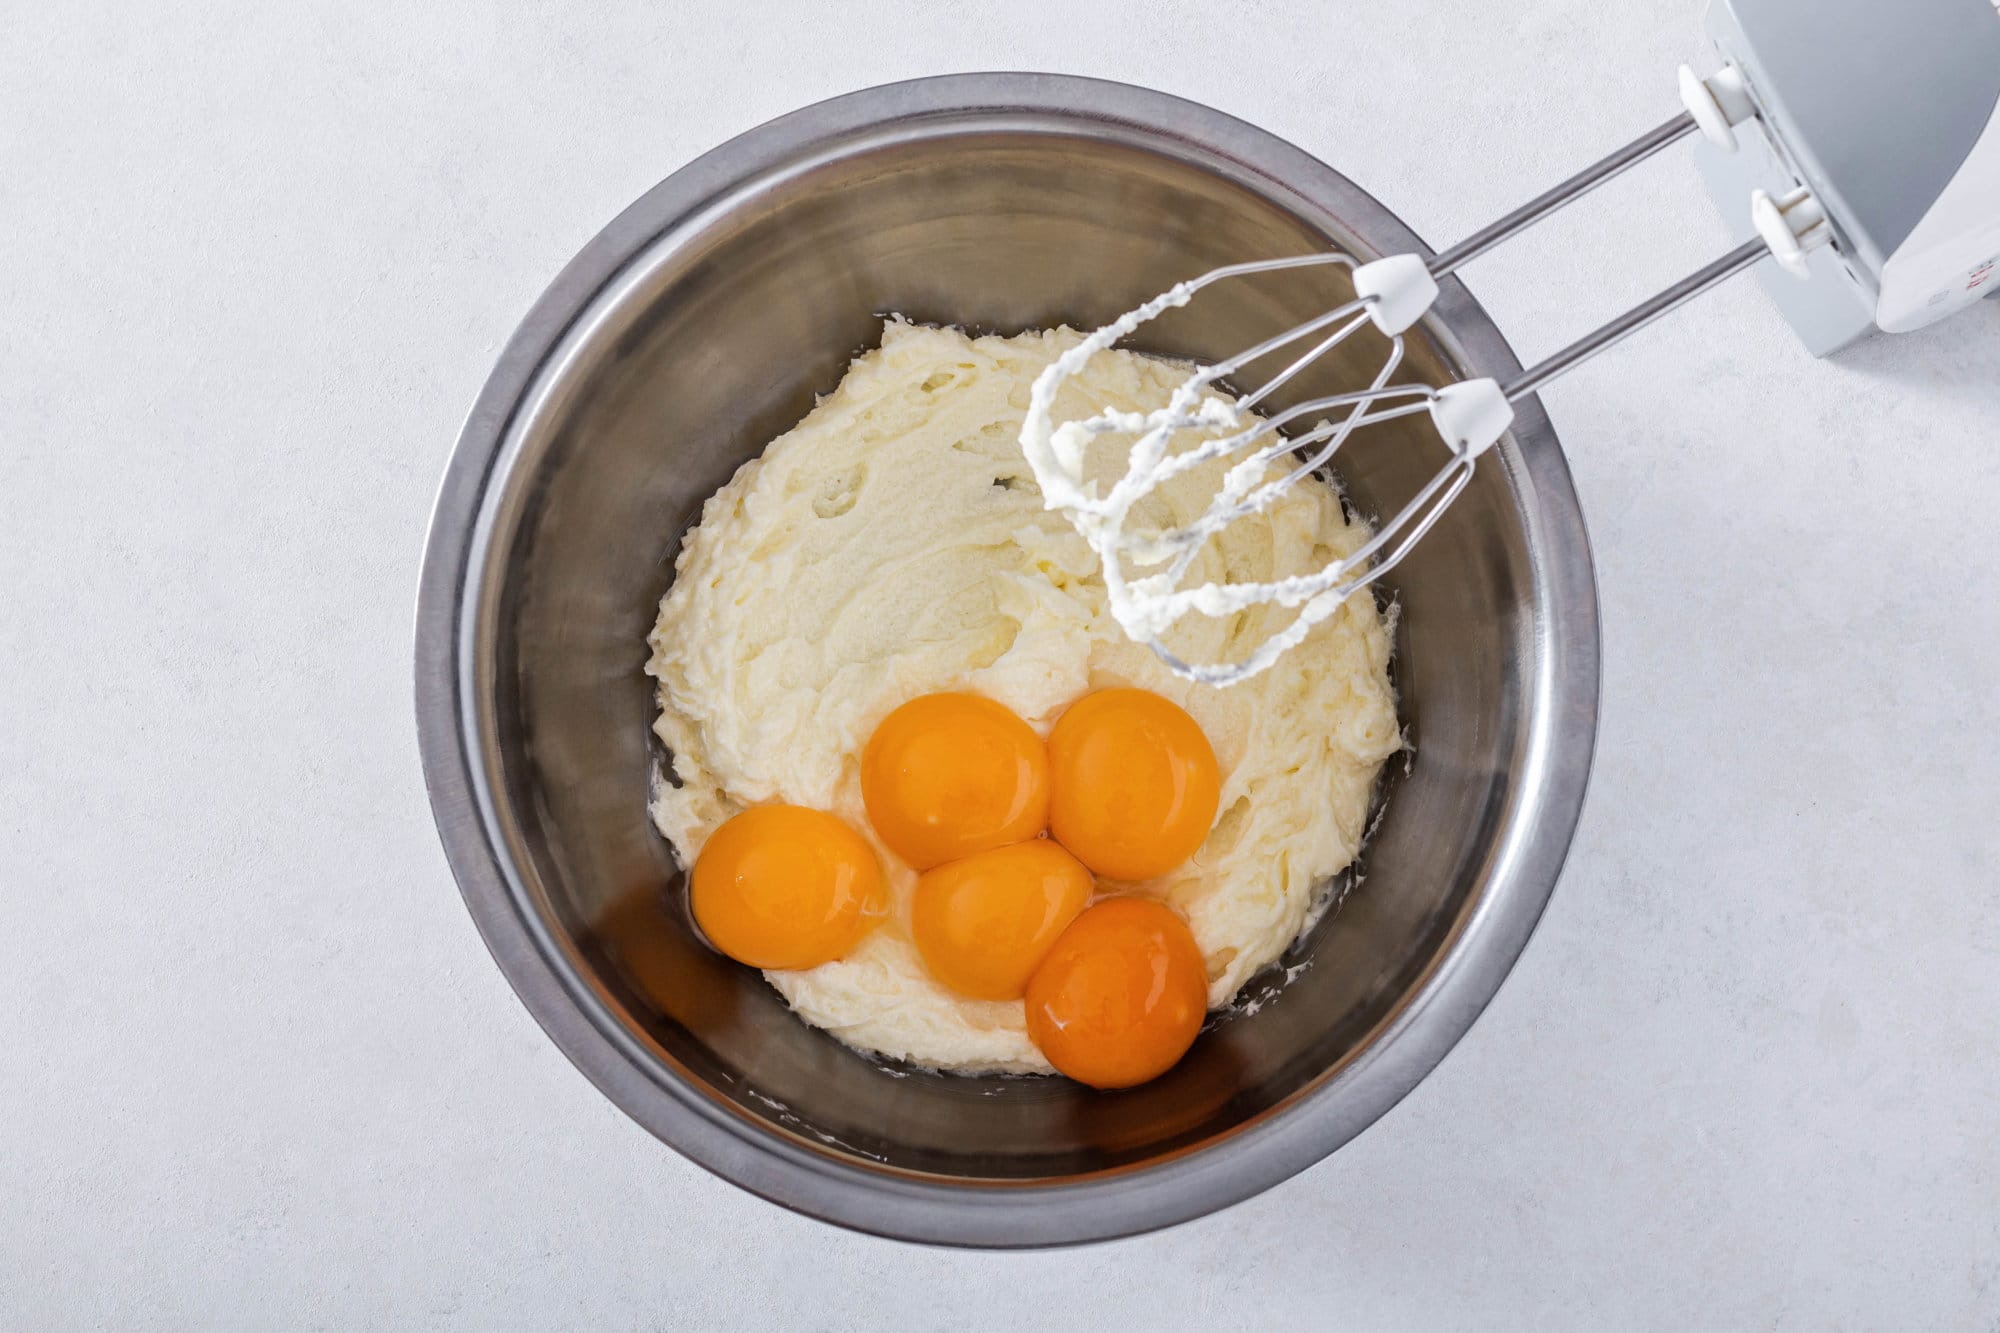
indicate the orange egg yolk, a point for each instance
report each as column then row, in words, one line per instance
column 1121, row 994
column 1133, row 784
column 984, row 923
column 949, row 775
column 781, row 886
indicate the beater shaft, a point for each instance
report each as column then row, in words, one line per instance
column 1747, row 255
column 1550, row 201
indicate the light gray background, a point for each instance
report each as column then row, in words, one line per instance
column 257, row 1069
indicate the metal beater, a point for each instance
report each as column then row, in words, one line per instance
column 1943, row 261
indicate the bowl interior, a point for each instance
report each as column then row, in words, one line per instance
column 715, row 339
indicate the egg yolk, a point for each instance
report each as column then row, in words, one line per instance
column 1121, row 994
column 781, row 886
column 1133, row 784
column 984, row 923
column 949, row 775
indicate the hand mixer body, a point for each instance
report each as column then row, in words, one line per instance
column 1890, row 115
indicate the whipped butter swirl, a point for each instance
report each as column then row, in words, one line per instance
column 895, row 543
column 1207, row 428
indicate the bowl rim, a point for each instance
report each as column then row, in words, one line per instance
column 1410, row 1042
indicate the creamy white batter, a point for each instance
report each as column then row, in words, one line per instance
column 894, row 543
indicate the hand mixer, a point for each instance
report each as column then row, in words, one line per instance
column 1867, row 138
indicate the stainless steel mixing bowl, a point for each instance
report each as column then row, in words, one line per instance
column 698, row 326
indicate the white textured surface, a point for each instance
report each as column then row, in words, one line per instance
column 257, row 1068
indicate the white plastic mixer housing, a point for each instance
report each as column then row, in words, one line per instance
column 1888, row 112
